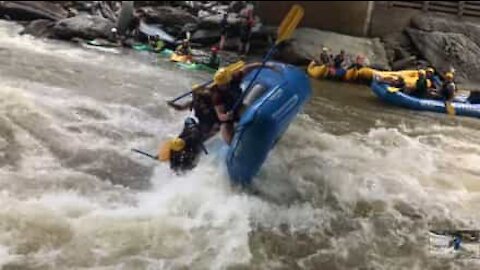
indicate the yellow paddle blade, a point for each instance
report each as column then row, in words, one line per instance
column 289, row 23
column 449, row 108
column 164, row 152
column 392, row 89
column 235, row 66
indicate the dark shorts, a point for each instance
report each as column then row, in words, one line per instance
column 447, row 94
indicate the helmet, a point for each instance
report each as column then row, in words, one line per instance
column 214, row 49
column 185, row 41
column 190, row 122
column 177, row 144
column 430, row 70
column 325, row 49
column 421, row 72
column 222, row 76
column 113, row 30
column 449, row 75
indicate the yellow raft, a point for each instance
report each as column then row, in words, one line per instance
column 180, row 58
column 364, row 74
column 350, row 75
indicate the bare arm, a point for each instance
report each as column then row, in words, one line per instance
column 222, row 115
column 180, row 107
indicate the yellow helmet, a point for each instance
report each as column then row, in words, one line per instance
column 430, row 70
column 222, row 76
column 177, row 144
column 449, row 75
column 421, row 72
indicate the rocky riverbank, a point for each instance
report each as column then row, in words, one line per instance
column 88, row 20
column 439, row 41
column 429, row 40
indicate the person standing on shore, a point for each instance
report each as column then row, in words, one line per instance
column 248, row 21
column 223, row 31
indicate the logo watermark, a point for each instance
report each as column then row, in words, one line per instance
column 455, row 244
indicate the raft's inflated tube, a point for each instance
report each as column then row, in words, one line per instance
column 287, row 88
column 398, row 98
column 349, row 75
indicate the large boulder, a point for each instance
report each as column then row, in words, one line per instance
column 307, row 44
column 166, row 16
column 83, row 26
column 39, row 28
column 32, row 10
column 444, row 24
column 446, row 50
column 213, row 21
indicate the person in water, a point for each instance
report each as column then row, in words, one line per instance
column 185, row 149
column 203, row 109
column 226, row 92
column 214, row 59
column 448, row 88
column 184, row 48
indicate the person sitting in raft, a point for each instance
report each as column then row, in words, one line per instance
column 226, row 91
column 184, row 150
column 448, row 88
column 214, row 60
column 203, row 109
column 339, row 60
column 436, row 83
column 325, row 58
column 184, row 48
column 421, row 86
column 359, row 63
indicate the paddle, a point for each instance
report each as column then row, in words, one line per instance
column 284, row 32
column 449, row 108
column 145, row 154
column 231, row 68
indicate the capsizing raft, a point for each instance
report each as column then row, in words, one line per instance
column 285, row 90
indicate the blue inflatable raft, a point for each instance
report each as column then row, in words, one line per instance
column 266, row 119
column 460, row 104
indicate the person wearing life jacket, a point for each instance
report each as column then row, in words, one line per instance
column 226, row 92
column 203, row 109
column 436, row 83
column 339, row 60
column 421, row 85
column 185, row 149
column 448, row 88
column 325, row 58
column 214, row 59
column 184, row 48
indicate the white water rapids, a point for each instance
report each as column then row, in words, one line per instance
column 354, row 184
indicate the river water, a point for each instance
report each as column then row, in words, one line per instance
column 353, row 184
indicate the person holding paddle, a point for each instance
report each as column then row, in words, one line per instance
column 202, row 106
column 226, row 92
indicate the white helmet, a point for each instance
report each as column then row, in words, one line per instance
column 113, row 30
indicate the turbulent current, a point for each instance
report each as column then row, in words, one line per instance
column 353, row 184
